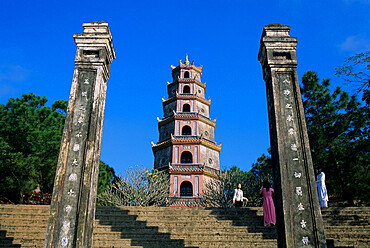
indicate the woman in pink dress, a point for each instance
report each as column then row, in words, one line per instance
column 268, row 205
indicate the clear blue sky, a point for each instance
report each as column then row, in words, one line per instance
column 37, row 55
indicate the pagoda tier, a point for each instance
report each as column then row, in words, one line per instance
column 187, row 148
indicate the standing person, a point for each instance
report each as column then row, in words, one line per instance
column 269, row 217
column 321, row 189
column 238, row 197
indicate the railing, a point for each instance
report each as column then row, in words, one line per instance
column 188, row 80
column 193, row 167
column 184, row 137
column 212, row 170
column 187, row 167
column 186, row 200
column 191, row 114
column 187, row 94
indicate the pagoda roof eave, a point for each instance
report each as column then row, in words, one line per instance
column 185, row 66
column 186, row 97
column 180, row 140
column 188, row 117
column 203, row 85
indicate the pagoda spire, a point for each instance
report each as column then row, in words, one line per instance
column 186, row 60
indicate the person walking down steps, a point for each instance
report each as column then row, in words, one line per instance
column 238, row 197
column 269, row 217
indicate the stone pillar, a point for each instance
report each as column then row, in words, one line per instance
column 299, row 220
column 72, row 210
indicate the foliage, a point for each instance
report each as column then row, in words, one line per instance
column 137, row 187
column 356, row 71
column 106, row 177
column 30, row 134
column 260, row 172
column 220, row 191
column 338, row 129
column 30, row 137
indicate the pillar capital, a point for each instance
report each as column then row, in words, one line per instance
column 277, row 50
column 95, row 46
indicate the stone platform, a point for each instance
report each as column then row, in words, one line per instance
column 25, row 226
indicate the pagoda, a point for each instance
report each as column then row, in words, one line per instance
column 186, row 148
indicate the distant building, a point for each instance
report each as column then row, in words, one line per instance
column 186, row 146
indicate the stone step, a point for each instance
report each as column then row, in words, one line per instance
column 182, row 243
column 329, row 229
column 189, row 215
column 346, row 217
column 34, row 209
column 26, row 221
column 16, row 233
column 347, row 235
column 183, row 223
column 346, row 223
column 345, row 209
column 232, row 244
column 183, row 215
column 216, row 236
column 170, row 243
column 357, row 243
column 236, row 222
column 195, row 216
column 179, row 211
column 22, row 243
column 210, row 229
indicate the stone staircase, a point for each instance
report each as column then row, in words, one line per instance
column 347, row 226
column 25, row 225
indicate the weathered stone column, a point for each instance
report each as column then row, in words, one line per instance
column 299, row 220
column 72, row 210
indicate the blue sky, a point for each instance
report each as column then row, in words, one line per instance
column 37, row 55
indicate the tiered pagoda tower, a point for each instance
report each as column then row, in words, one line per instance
column 186, row 146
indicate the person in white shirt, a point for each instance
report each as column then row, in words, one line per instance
column 321, row 189
column 238, row 197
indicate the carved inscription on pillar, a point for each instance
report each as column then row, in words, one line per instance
column 76, row 154
column 302, row 226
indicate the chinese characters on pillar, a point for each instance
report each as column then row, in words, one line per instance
column 82, row 109
column 293, row 149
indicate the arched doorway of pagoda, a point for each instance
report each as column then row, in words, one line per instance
column 186, row 108
column 186, row 189
column 186, row 157
column 186, row 89
column 186, row 74
column 186, row 130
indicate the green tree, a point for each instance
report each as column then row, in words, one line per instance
column 338, row 129
column 261, row 171
column 30, row 134
column 30, row 137
column 106, row 177
column 219, row 191
column 356, row 71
